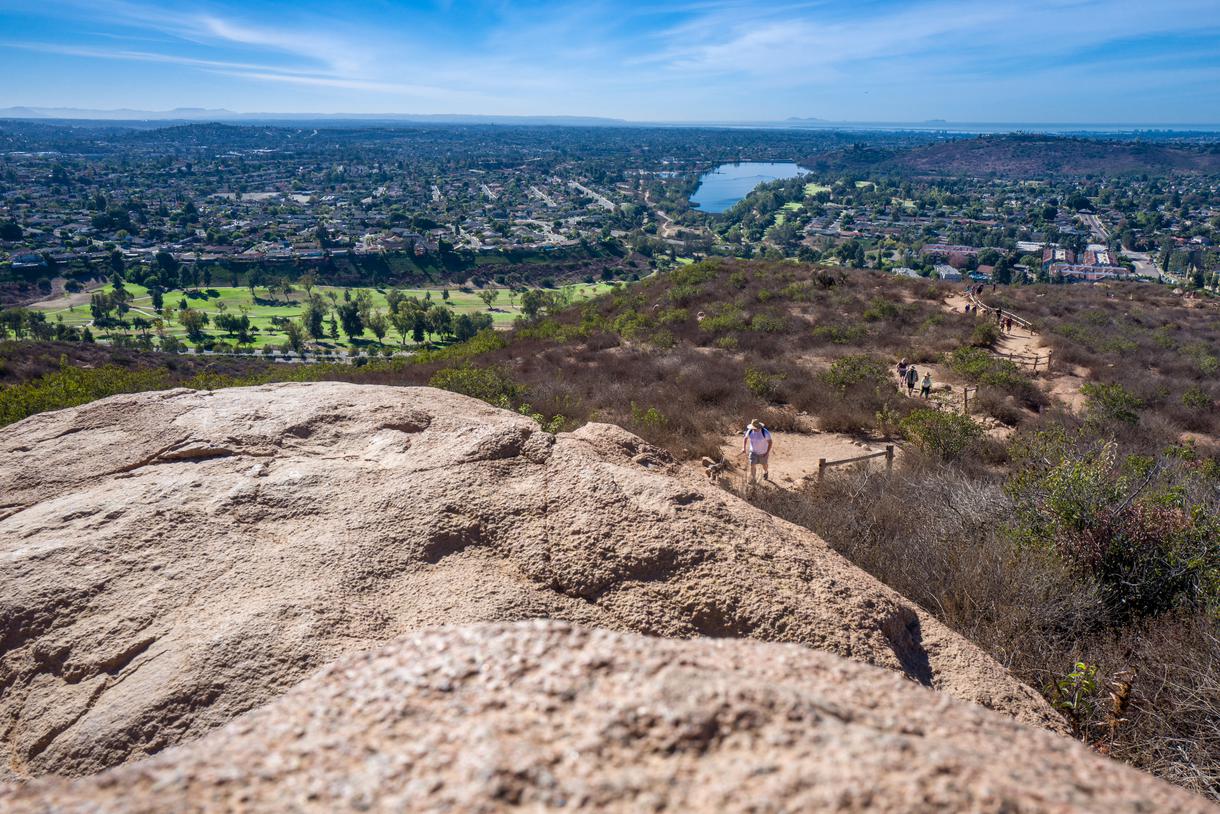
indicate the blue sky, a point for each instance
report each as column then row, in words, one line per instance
column 1084, row 61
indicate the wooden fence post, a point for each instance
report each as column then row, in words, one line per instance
column 821, row 468
column 889, row 458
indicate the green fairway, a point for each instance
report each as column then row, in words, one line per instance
column 814, row 189
column 264, row 308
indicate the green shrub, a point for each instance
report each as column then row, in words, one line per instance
column 484, row 341
column 1196, row 398
column 491, row 384
column 1111, row 402
column 985, row 335
column 71, row 386
column 648, row 419
column 727, row 319
column 881, row 309
column 1129, row 525
column 941, row 433
column 850, row 371
column 981, row 367
column 663, row 338
column 769, row 324
column 762, row 384
column 841, row 334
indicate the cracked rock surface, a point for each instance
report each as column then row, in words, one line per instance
column 543, row 716
column 171, row 560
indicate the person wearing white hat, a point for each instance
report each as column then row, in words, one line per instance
column 758, row 443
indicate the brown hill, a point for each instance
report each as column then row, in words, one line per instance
column 542, row 716
column 1023, row 156
column 174, row 559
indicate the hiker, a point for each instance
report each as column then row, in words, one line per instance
column 758, row 443
column 925, row 389
column 1008, row 325
column 912, row 377
column 902, row 370
column 999, row 316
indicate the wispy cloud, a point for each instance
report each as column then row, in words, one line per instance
column 689, row 59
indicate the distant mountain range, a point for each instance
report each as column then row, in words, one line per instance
column 196, row 114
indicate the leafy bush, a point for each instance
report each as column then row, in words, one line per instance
column 841, row 334
column 880, row 309
column 767, row 323
column 491, row 384
column 1111, row 402
column 762, row 384
column 727, row 318
column 941, row 433
column 1129, row 525
column 648, row 419
column 1196, row 398
column 72, row 386
column 850, row 371
column 985, row 334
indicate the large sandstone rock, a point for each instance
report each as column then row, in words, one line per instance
column 171, row 560
column 542, row 716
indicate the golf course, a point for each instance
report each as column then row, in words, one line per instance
column 270, row 309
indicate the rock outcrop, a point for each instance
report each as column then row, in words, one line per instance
column 543, row 716
column 171, row 560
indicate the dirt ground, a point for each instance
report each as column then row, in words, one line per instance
column 794, row 456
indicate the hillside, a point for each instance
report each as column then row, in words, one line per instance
column 1067, row 518
column 1022, row 156
column 543, row 716
column 175, row 559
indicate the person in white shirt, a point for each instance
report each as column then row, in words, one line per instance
column 758, row 442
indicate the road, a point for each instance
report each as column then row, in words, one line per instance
column 602, row 200
column 546, row 199
column 1098, row 228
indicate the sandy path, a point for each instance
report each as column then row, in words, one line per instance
column 63, row 301
column 795, row 456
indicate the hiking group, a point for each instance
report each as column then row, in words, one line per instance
column 1004, row 321
column 909, row 376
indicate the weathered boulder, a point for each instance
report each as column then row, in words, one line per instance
column 173, row 559
column 543, row 716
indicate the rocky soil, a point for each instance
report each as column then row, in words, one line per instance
column 171, row 560
column 542, row 716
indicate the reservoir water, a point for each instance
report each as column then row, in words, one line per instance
column 729, row 183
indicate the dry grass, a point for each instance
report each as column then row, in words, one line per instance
column 937, row 534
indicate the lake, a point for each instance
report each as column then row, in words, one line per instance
column 729, row 183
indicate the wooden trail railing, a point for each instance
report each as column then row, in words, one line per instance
column 1022, row 321
column 966, row 391
column 887, row 453
column 1034, row 360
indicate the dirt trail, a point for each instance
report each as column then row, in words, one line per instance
column 796, row 454
column 1062, row 385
